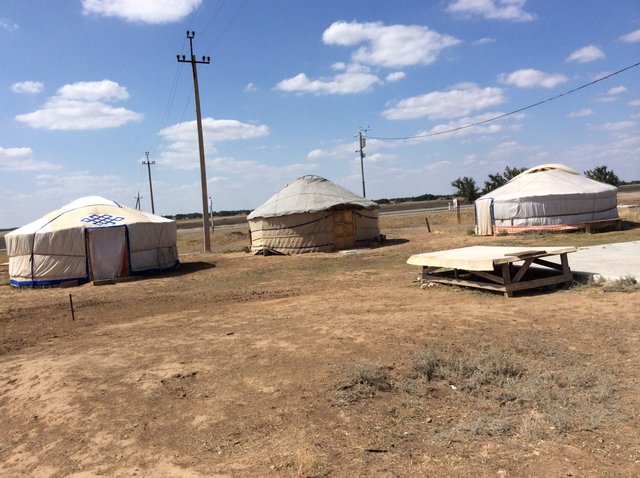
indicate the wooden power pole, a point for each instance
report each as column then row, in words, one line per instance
column 203, row 169
column 362, row 142
column 149, row 163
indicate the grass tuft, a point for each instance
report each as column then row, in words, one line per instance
column 364, row 381
column 622, row 284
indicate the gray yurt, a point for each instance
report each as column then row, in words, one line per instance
column 547, row 197
column 312, row 214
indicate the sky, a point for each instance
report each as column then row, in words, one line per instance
column 88, row 87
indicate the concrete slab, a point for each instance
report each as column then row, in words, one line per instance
column 609, row 261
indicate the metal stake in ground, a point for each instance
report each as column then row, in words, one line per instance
column 73, row 315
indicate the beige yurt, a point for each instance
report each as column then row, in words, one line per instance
column 91, row 238
column 547, row 197
column 312, row 214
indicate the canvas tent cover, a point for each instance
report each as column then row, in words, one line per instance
column 312, row 214
column 310, row 194
column 87, row 239
column 547, row 196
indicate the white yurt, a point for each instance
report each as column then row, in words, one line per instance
column 312, row 214
column 550, row 196
column 91, row 238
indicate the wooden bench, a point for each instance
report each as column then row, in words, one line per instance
column 592, row 226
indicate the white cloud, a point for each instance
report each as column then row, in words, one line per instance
column 616, row 126
column 250, row 88
column 634, row 103
column 315, row 154
column 460, row 127
column 459, row 100
column 8, row 25
column 76, row 180
column 353, row 80
column 31, row 87
column 142, row 11
column 530, row 78
column 254, row 170
column 580, row 113
column 104, row 90
column 395, row 76
column 439, row 165
column 390, row 46
column 586, row 54
column 182, row 150
column 82, row 106
column 612, row 94
column 511, row 10
column 22, row 159
column 632, row 37
column 340, row 151
column 484, row 41
column 617, row 90
column 620, row 155
column 381, row 158
column 511, row 149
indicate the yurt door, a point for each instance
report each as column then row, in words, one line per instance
column 344, row 229
column 107, row 249
column 484, row 217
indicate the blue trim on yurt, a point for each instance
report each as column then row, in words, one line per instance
column 45, row 283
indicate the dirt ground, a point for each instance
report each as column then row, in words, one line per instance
column 321, row 365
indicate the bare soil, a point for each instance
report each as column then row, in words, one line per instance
column 321, row 365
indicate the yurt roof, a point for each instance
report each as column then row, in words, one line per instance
column 89, row 211
column 549, row 180
column 310, row 194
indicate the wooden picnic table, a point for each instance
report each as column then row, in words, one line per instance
column 503, row 269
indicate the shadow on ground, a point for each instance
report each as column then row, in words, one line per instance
column 190, row 267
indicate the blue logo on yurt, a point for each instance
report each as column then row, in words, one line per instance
column 102, row 220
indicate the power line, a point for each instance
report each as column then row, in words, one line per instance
column 224, row 30
column 215, row 14
column 176, row 78
column 519, row 110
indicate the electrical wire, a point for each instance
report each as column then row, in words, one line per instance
column 178, row 73
column 224, row 30
column 510, row 113
column 215, row 14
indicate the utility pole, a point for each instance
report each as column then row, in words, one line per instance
column 203, row 169
column 138, row 197
column 149, row 163
column 362, row 142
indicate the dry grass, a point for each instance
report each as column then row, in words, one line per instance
column 363, row 381
column 622, row 284
column 510, row 392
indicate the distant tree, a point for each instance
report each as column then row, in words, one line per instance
column 500, row 179
column 466, row 187
column 604, row 175
column 494, row 182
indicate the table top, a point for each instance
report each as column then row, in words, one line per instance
column 483, row 258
